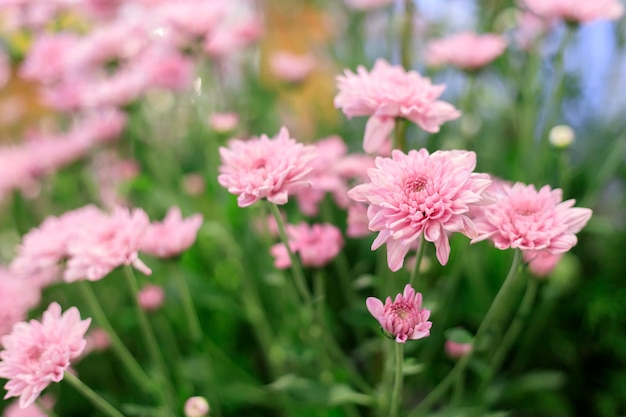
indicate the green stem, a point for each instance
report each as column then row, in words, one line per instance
column 150, row 340
column 130, row 363
column 296, row 268
column 195, row 330
column 400, row 135
column 418, row 260
column 396, row 394
column 491, row 316
column 92, row 396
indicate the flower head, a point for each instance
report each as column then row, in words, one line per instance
column 317, row 245
column 265, row 167
column 403, row 318
column 291, row 67
column 196, row 407
column 417, row 193
column 171, row 236
column 531, row 220
column 151, row 297
column 465, row 50
column 582, row 11
column 387, row 92
column 38, row 353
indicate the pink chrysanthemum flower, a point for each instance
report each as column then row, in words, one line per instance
column 581, row 11
column 265, row 167
column 415, row 194
column 387, row 92
column 38, row 353
column 531, row 220
column 466, row 50
column 172, row 236
column 403, row 318
column 317, row 245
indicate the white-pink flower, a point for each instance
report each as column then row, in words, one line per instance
column 367, row 4
column 403, row 318
column 582, row 11
column 388, row 92
column 417, row 193
column 172, row 236
column 465, row 50
column 265, row 167
column 317, row 245
column 531, row 220
column 223, row 122
column 291, row 67
column 38, row 353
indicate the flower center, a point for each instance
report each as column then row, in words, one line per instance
column 417, row 184
column 526, row 210
column 34, row 354
column 401, row 310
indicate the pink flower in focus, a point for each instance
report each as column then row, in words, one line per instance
column 151, row 297
column 291, row 67
column 403, row 318
column 415, row 194
column 541, row 263
column 466, row 50
column 112, row 240
column 265, row 168
column 367, row 4
column 581, row 11
column 456, row 350
column 32, row 410
column 38, row 353
column 317, row 245
column 531, row 220
column 172, row 236
column 223, row 122
column 388, row 92
column 18, row 296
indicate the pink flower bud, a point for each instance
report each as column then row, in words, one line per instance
column 196, row 407
column 151, row 297
column 456, row 350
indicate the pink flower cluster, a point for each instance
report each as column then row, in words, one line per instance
column 466, row 50
column 264, row 167
column 418, row 193
column 388, row 92
column 582, row 11
column 92, row 243
column 317, row 245
column 38, row 353
column 402, row 318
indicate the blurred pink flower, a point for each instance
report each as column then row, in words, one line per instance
column 151, row 297
column 33, row 410
column 466, row 50
column 581, row 11
column 223, row 122
column 317, row 245
column 541, row 263
column 358, row 222
column 403, row 318
column 530, row 28
column 232, row 37
column 167, row 69
column 47, row 59
column 172, row 236
column 38, row 353
column 97, row 339
column 388, row 92
column 193, row 184
column 18, row 296
column 196, row 407
column 265, row 167
column 456, row 350
column 367, row 4
column 415, row 194
column 291, row 67
column 531, row 220
column 112, row 240
column 195, row 17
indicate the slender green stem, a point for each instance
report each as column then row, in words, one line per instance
column 130, row 363
column 296, row 268
column 418, row 260
column 150, row 340
column 400, row 135
column 396, row 395
column 491, row 316
column 92, row 396
column 195, row 330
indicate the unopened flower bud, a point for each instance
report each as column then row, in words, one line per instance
column 456, row 350
column 196, row 407
column 151, row 297
column 561, row 136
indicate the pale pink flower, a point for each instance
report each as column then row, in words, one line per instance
column 291, row 67
column 17, row 297
column 196, row 407
column 358, row 222
column 415, row 194
column 151, row 297
column 367, row 4
column 195, row 17
column 47, row 59
column 317, row 245
column 97, row 340
column 541, row 263
column 223, row 122
column 166, row 69
column 33, row 410
column 466, row 50
column 403, row 318
column 38, row 353
column 233, row 36
column 388, row 92
column 530, row 28
column 265, row 167
column 531, row 220
column 456, row 350
column 581, row 11
column 172, row 236
column 112, row 240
